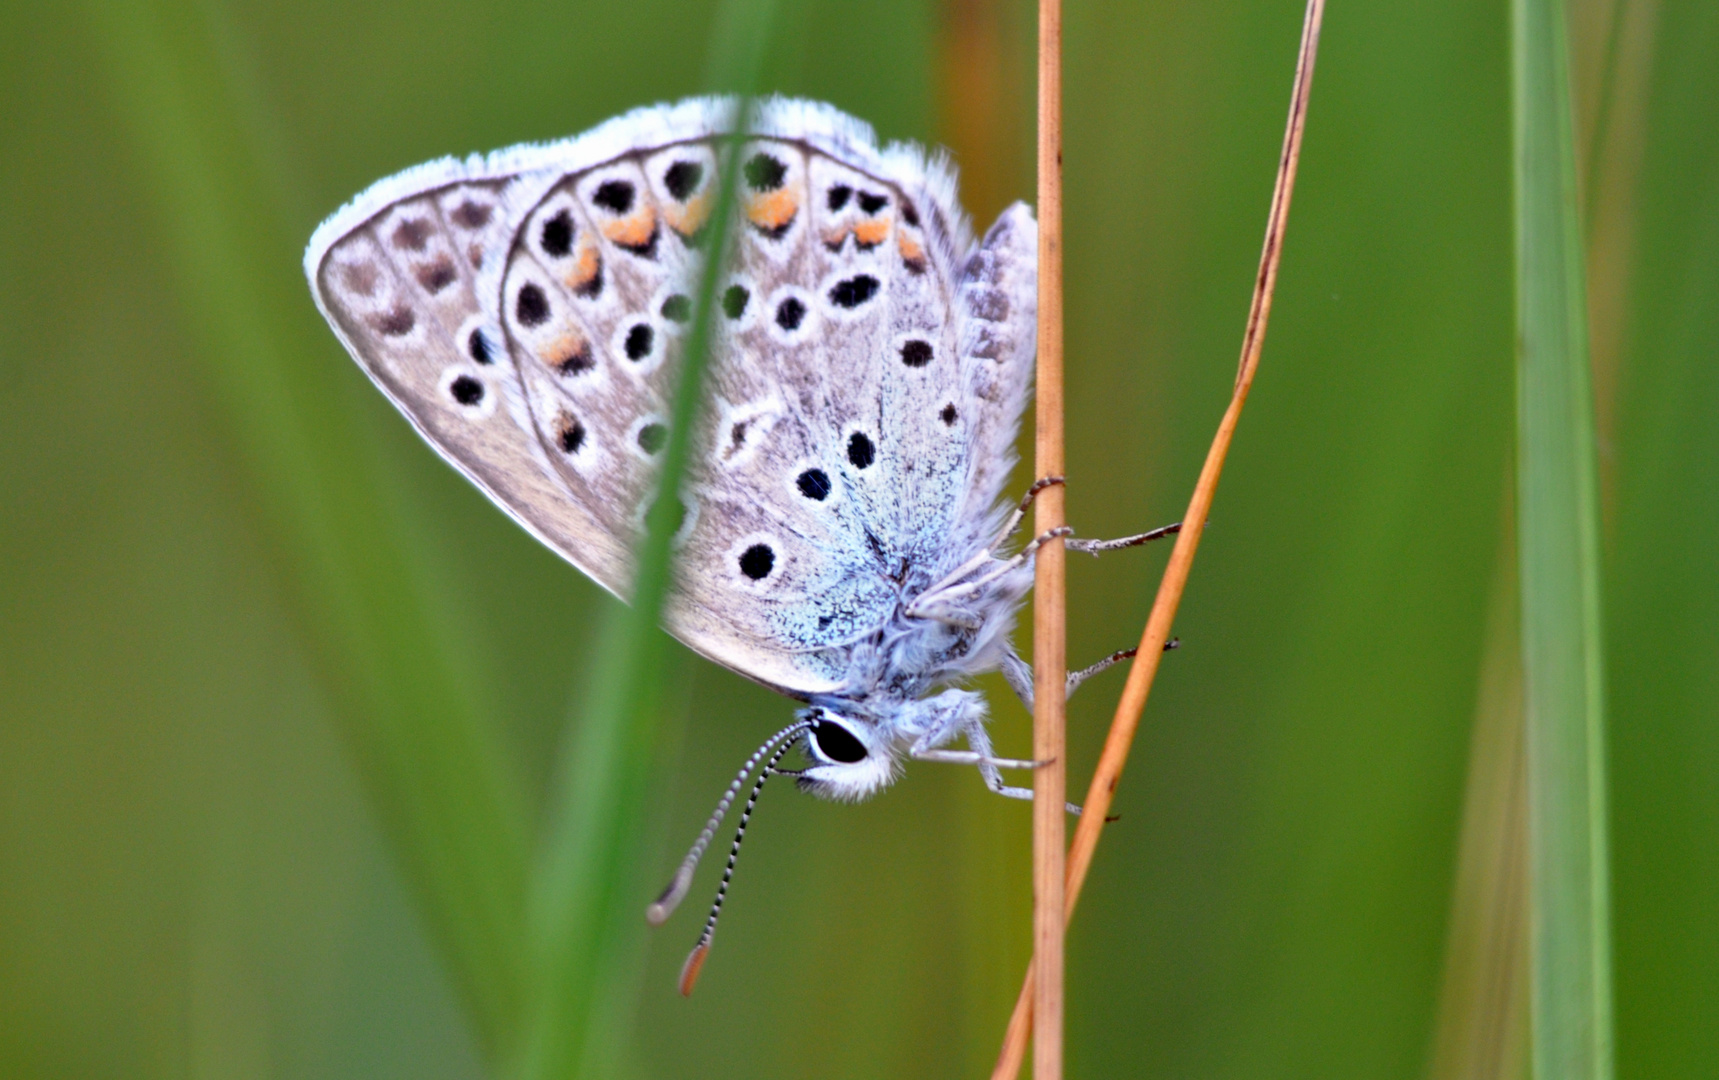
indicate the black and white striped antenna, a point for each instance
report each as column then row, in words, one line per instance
column 695, row 959
column 660, row 909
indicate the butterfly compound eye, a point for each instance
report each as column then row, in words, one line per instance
column 837, row 743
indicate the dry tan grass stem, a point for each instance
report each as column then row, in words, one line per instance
column 1163, row 614
column 1050, row 624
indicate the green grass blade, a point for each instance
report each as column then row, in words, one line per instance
column 350, row 572
column 1560, row 566
column 587, row 902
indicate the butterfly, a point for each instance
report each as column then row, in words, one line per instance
column 843, row 527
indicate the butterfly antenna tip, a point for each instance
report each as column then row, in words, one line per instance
column 694, row 964
column 658, row 911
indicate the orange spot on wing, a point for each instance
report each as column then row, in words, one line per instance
column 634, row 230
column 911, row 249
column 690, row 218
column 568, row 354
column 586, row 266
column 872, row 233
column 773, row 210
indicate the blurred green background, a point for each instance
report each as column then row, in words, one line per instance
column 279, row 692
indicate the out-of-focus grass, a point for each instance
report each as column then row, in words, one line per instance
column 190, row 878
column 1482, row 1030
column 1559, row 540
column 351, row 571
column 585, row 920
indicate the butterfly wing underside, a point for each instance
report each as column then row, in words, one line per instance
column 526, row 312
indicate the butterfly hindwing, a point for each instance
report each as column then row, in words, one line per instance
column 404, row 288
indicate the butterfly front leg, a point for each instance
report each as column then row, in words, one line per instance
column 937, row 602
column 961, row 714
column 989, row 766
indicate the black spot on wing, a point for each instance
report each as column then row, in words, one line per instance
column 531, row 306
column 764, row 172
column 411, row 234
column 569, row 433
column 757, row 561
column 861, row 452
column 852, row 292
column 734, row 301
column 681, row 179
column 577, row 361
column 677, row 308
column 814, row 484
column 466, row 390
column 615, row 196
column 790, row 313
column 916, row 353
column 557, row 235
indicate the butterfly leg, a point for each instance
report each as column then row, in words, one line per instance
column 945, row 589
column 1093, row 547
column 1019, row 674
column 971, row 757
column 1075, row 678
column 980, row 755
column 1009, row 527
column 930, row 601
column 1015, row 518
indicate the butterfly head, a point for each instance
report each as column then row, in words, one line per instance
column 851, row 757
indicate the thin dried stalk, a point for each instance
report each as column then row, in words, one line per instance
column 1050, row 622
column 1145, row 666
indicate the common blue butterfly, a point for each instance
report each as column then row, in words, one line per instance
column 870, row 363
